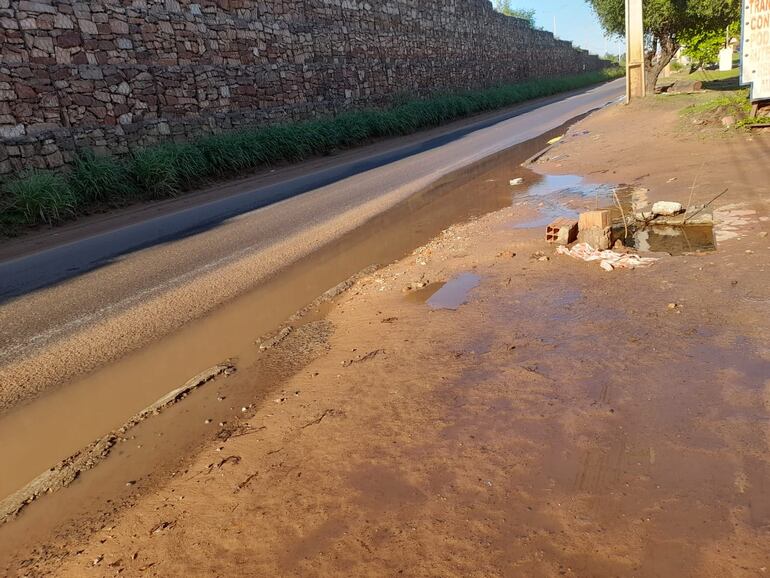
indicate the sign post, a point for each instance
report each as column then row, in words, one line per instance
column 755, row 49
column 635, row 86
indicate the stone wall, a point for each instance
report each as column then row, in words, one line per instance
column 116, row 74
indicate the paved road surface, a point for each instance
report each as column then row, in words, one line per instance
column 200, row 248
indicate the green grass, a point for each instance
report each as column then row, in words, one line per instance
column 96, row 179
column 171, row 169
column 42, row 197
column 731, row 103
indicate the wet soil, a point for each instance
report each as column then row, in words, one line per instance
column 58, row 424
column 560, row 421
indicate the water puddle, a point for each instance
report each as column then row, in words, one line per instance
column 450, row 295
column 556, row 196
column 674, row 240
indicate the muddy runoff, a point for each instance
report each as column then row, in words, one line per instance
column 564, row 196
column 54, row 428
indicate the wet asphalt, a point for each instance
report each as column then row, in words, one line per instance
column 48, row 291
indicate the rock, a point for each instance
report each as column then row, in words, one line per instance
column 12, row 131
column 515, row 182
column 597, row 237
column 667, row 208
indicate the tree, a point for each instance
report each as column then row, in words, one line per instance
column 504, row 7
column 666, row 22
column 703, row 46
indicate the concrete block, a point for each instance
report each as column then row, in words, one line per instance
column 594, row 219
column 562, row 231
column 598, row 237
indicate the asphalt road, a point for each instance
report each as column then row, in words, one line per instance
column 54, row 300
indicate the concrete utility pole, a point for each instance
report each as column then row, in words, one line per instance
column 635, row 86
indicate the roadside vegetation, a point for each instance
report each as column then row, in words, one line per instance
column 724, row 104
column 669, row 23
column 95, row 183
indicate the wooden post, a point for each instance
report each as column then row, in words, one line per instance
column 635, row 85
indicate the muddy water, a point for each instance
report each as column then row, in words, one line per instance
column 42, row 433
column 450, row 295
column 565, row 195
column 675, row 240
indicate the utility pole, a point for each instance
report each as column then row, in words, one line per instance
column 635, row 85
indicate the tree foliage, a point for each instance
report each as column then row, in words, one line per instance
column 504, row 7
column 703, row 46
column 666, row 23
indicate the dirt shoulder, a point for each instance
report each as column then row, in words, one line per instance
column 564, row 421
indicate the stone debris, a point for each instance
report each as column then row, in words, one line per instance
column 667, row 208
column 277, row 339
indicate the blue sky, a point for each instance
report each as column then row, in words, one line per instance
column 575, row 21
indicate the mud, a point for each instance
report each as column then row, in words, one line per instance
column 108, row 397
column 64, row 473
column 557, row 424
column 562, row 422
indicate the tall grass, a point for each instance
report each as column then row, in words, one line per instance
column 42, row 196
column 97, row 179
column 170, row 169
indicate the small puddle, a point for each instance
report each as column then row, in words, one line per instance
column 450, row 295
column 674, row 240
column 557, row 196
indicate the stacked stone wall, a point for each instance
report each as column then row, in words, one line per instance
column 111, row 75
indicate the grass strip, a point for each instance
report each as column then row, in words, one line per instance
column 170, row 169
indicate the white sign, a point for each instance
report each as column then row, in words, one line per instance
column 755, row 48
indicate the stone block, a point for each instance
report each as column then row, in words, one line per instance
column 598, row 237
column 63, row 21
column 12, row 131
column 118, row 27
column 88, row 27
column 594, row 219
column 24, row 91
column 36, row 7
column 69, row 40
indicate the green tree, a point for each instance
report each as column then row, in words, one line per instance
column 703, row 46
column 504, row 7
column 666, row 22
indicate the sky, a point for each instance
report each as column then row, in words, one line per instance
column 575, row 21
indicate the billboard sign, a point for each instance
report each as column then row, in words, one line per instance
column 755, row 48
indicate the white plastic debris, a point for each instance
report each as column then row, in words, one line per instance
column 515, row 182
column 608, row 260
